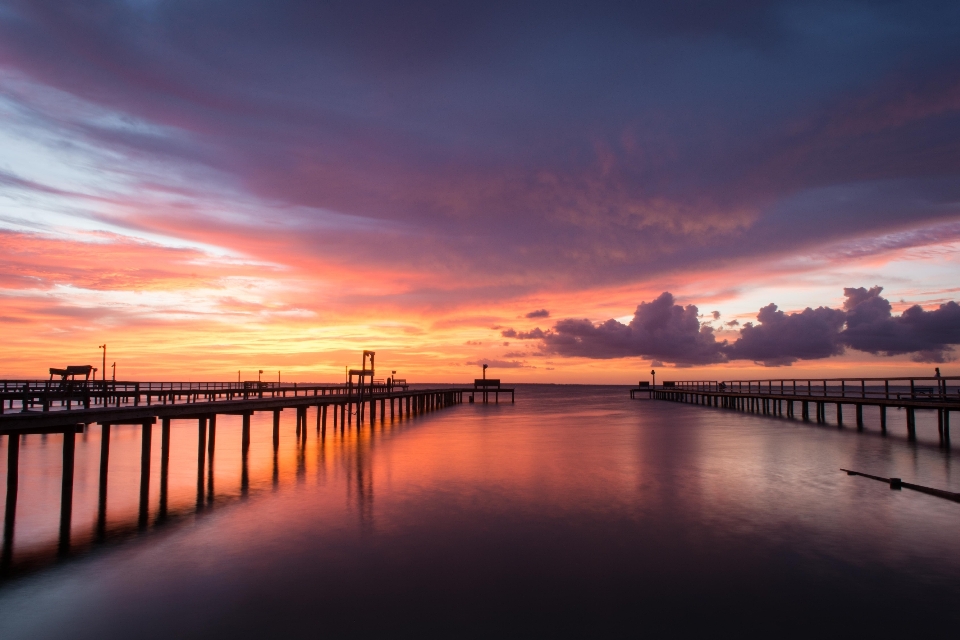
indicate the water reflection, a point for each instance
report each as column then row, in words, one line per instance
column 86, row 520
column 574, row 511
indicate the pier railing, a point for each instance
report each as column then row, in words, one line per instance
column 907, row 388
column 69, row 394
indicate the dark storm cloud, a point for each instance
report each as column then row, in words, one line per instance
column 540, row 313
column 581, row 141
column 666, row 331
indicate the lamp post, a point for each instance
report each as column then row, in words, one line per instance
column 484, row 372
column 654, row 374
column 114, row 365
column 259, row 373
column 103, row 374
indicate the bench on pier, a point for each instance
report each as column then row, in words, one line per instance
column 72, row 372
column 667, row 385
column 69, row 375
column 484, row 383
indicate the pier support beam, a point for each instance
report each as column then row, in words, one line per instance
column 102, row 494
column 201, row 458
column 66, row 489
column 883, row 419
column 211, row 445
column 860, row 417
column 911, row 424
column 276, row 426
column 164, row 467
column 146, row 433
column 10, row 513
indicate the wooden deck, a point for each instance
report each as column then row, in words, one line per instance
column 780, row 396
column 41, row 406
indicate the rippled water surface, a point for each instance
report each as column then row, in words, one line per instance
column 575, row 511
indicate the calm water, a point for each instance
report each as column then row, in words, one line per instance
column 575, row 511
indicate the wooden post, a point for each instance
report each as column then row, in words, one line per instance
column 102, row 494
column 201, row 460
column 839, row 414
column 66, row 489
column 10, row 513
column 211, row 443
column 911, row 424
column 164, row 467
column 146, row 433
column 276, row 426
column 211, row 438
column 245, row 431
column 883, row 418
column 859, row 416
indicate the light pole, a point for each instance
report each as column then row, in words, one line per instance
column 654, row 374
column 259, row 373
column 103, row 374
column 484, row 372
column 114, row 365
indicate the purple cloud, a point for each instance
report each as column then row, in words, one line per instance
column 872, row 327
column 659, row 329
column 445, row 123
column 540, row 313
column 782, row 338
column 664, row 331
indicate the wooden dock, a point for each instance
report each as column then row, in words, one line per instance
column 780, row 397
column 69, row 407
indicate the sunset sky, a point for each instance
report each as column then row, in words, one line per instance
column 211, row 186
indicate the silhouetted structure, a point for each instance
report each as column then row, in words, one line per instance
column 771, row 397
column 144, row 403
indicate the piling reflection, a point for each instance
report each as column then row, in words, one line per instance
column 123, row 457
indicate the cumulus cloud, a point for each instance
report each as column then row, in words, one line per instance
column 782, row 338
column 667, row 332
column 872, row 327
column 659, row 329
column 539, row 313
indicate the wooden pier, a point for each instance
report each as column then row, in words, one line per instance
column 780, row 397
column 69, row 407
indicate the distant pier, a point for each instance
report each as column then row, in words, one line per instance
column 780, row 397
